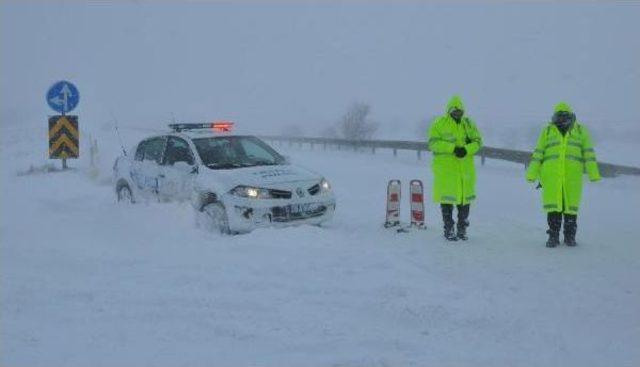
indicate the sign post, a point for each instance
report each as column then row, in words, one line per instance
column 64, row 137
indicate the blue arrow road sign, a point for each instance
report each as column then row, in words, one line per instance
column 63, row 97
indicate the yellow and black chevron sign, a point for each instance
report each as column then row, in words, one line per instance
column 63, row 137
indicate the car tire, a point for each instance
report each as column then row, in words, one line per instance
column 216, row 219
column 124, row 194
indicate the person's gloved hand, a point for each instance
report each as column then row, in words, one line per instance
column 460, row 152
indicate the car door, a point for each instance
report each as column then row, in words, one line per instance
column 137, row 180
column 178, row 170
column 146, row 167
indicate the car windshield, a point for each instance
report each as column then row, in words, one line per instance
column 228, row 152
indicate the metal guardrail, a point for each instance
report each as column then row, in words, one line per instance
column 511, row 155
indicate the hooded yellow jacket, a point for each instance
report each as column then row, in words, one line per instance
column 454, row 178
column 559, row 163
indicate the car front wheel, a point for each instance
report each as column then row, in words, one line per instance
column 124, row 195
column 215, row 217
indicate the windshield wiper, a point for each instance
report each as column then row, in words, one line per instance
column 224, row 165
column 263, row 163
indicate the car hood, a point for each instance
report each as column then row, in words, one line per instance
column 281, row 176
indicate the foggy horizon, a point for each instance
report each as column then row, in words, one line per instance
column 268, row 66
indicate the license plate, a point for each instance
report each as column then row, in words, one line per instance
column 300, row 208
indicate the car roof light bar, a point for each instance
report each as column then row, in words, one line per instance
column 219, row 126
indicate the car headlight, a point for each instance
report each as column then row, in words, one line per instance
column 251, row 192
column 325, row 186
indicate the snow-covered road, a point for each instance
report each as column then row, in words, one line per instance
column 87, row 282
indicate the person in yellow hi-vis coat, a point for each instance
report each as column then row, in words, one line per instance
column 563, row 153
column 453, row 140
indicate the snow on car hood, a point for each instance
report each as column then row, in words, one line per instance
column 281, row 176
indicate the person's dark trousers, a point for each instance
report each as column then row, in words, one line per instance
column 554, row 220
column 463, row 219
column 447, row 219
column 570, row 229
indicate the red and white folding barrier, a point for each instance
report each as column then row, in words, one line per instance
column 416, row 195
column 393, row 204
column 417, row 203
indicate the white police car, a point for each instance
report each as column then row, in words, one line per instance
column 235, row 182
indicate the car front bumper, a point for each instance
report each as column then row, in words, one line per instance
column 245, row 215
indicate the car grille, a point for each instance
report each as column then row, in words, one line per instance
column 280, row 194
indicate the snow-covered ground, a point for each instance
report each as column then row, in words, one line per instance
column 87, row 282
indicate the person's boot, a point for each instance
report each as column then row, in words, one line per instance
column 462, row 233
column 463, row 222
column 570, row 229
column 570, row 240
column 554, row 238
column 449, row 234
column 554, row 220
column 447, row 219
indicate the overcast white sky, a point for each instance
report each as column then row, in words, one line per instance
column 266, row 65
